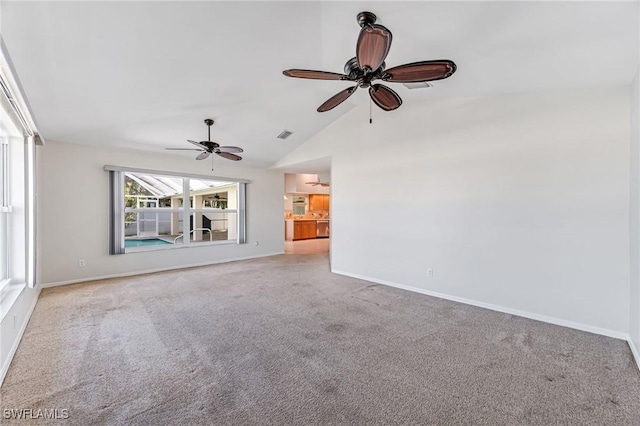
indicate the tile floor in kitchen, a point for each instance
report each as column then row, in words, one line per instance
column 312, row 246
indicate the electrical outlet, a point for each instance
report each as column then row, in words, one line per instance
column 81, row 263
column 429, row 272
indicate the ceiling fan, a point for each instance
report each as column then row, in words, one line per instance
column 316, row 183
column 368, row 65
column 208, row 147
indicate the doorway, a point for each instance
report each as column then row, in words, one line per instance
column 307, row 209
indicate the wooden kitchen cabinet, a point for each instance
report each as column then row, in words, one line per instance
column 318, row 202
column 300, row 230
column 306, row 229
column 315, row 203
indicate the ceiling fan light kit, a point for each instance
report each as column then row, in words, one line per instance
column 372, row 48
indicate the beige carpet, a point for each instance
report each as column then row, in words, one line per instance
column 281, row 340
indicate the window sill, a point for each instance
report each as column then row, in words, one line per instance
column 179, row 246
column 8, row 297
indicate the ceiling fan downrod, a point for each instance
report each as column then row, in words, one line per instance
column 209, row 123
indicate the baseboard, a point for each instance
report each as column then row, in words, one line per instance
column 497, row 308
column 16, row 343
column 151, row 271
column 634, row 351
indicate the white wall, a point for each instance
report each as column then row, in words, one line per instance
column 517, row 202
column 74, row 213
column 634, row 221
column 296, row 183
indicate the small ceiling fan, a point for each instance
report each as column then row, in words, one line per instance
column 209, row 147
column 316, row 183
column 368, row 65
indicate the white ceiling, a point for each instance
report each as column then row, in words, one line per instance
column 144, row 75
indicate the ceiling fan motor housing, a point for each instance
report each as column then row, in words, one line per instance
column 211, row 146
column 366, row 18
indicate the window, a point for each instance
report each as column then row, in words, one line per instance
column 5, row 212
column 17, row 209
column 149, row 212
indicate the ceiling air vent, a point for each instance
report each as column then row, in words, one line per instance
column 285, row 134
column 419, row 85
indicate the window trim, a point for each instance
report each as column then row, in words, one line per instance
column 117, row 208
column 110, row 168
column 17, row 116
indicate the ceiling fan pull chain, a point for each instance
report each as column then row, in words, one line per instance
column 370, row 119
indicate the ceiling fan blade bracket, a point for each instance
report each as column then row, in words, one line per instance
column 351, row 65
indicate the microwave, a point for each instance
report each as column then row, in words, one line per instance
column 299, row 205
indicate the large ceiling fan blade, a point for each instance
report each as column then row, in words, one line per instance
column 230, row 149
column 315, row 75
column 229, row 156
column 337, row 99
column 203, row 155
column 195, row 143
column 420, row 71
column 183, row 149
column 384, row 97
column 373, row 46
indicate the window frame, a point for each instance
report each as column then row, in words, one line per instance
column 18, row 201
column 5, row 213
column 117, row 209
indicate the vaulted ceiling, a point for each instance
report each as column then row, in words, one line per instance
column 144, row 75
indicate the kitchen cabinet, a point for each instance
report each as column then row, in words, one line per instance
column 300, row 229
column 304, row 229
column 318, row 202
